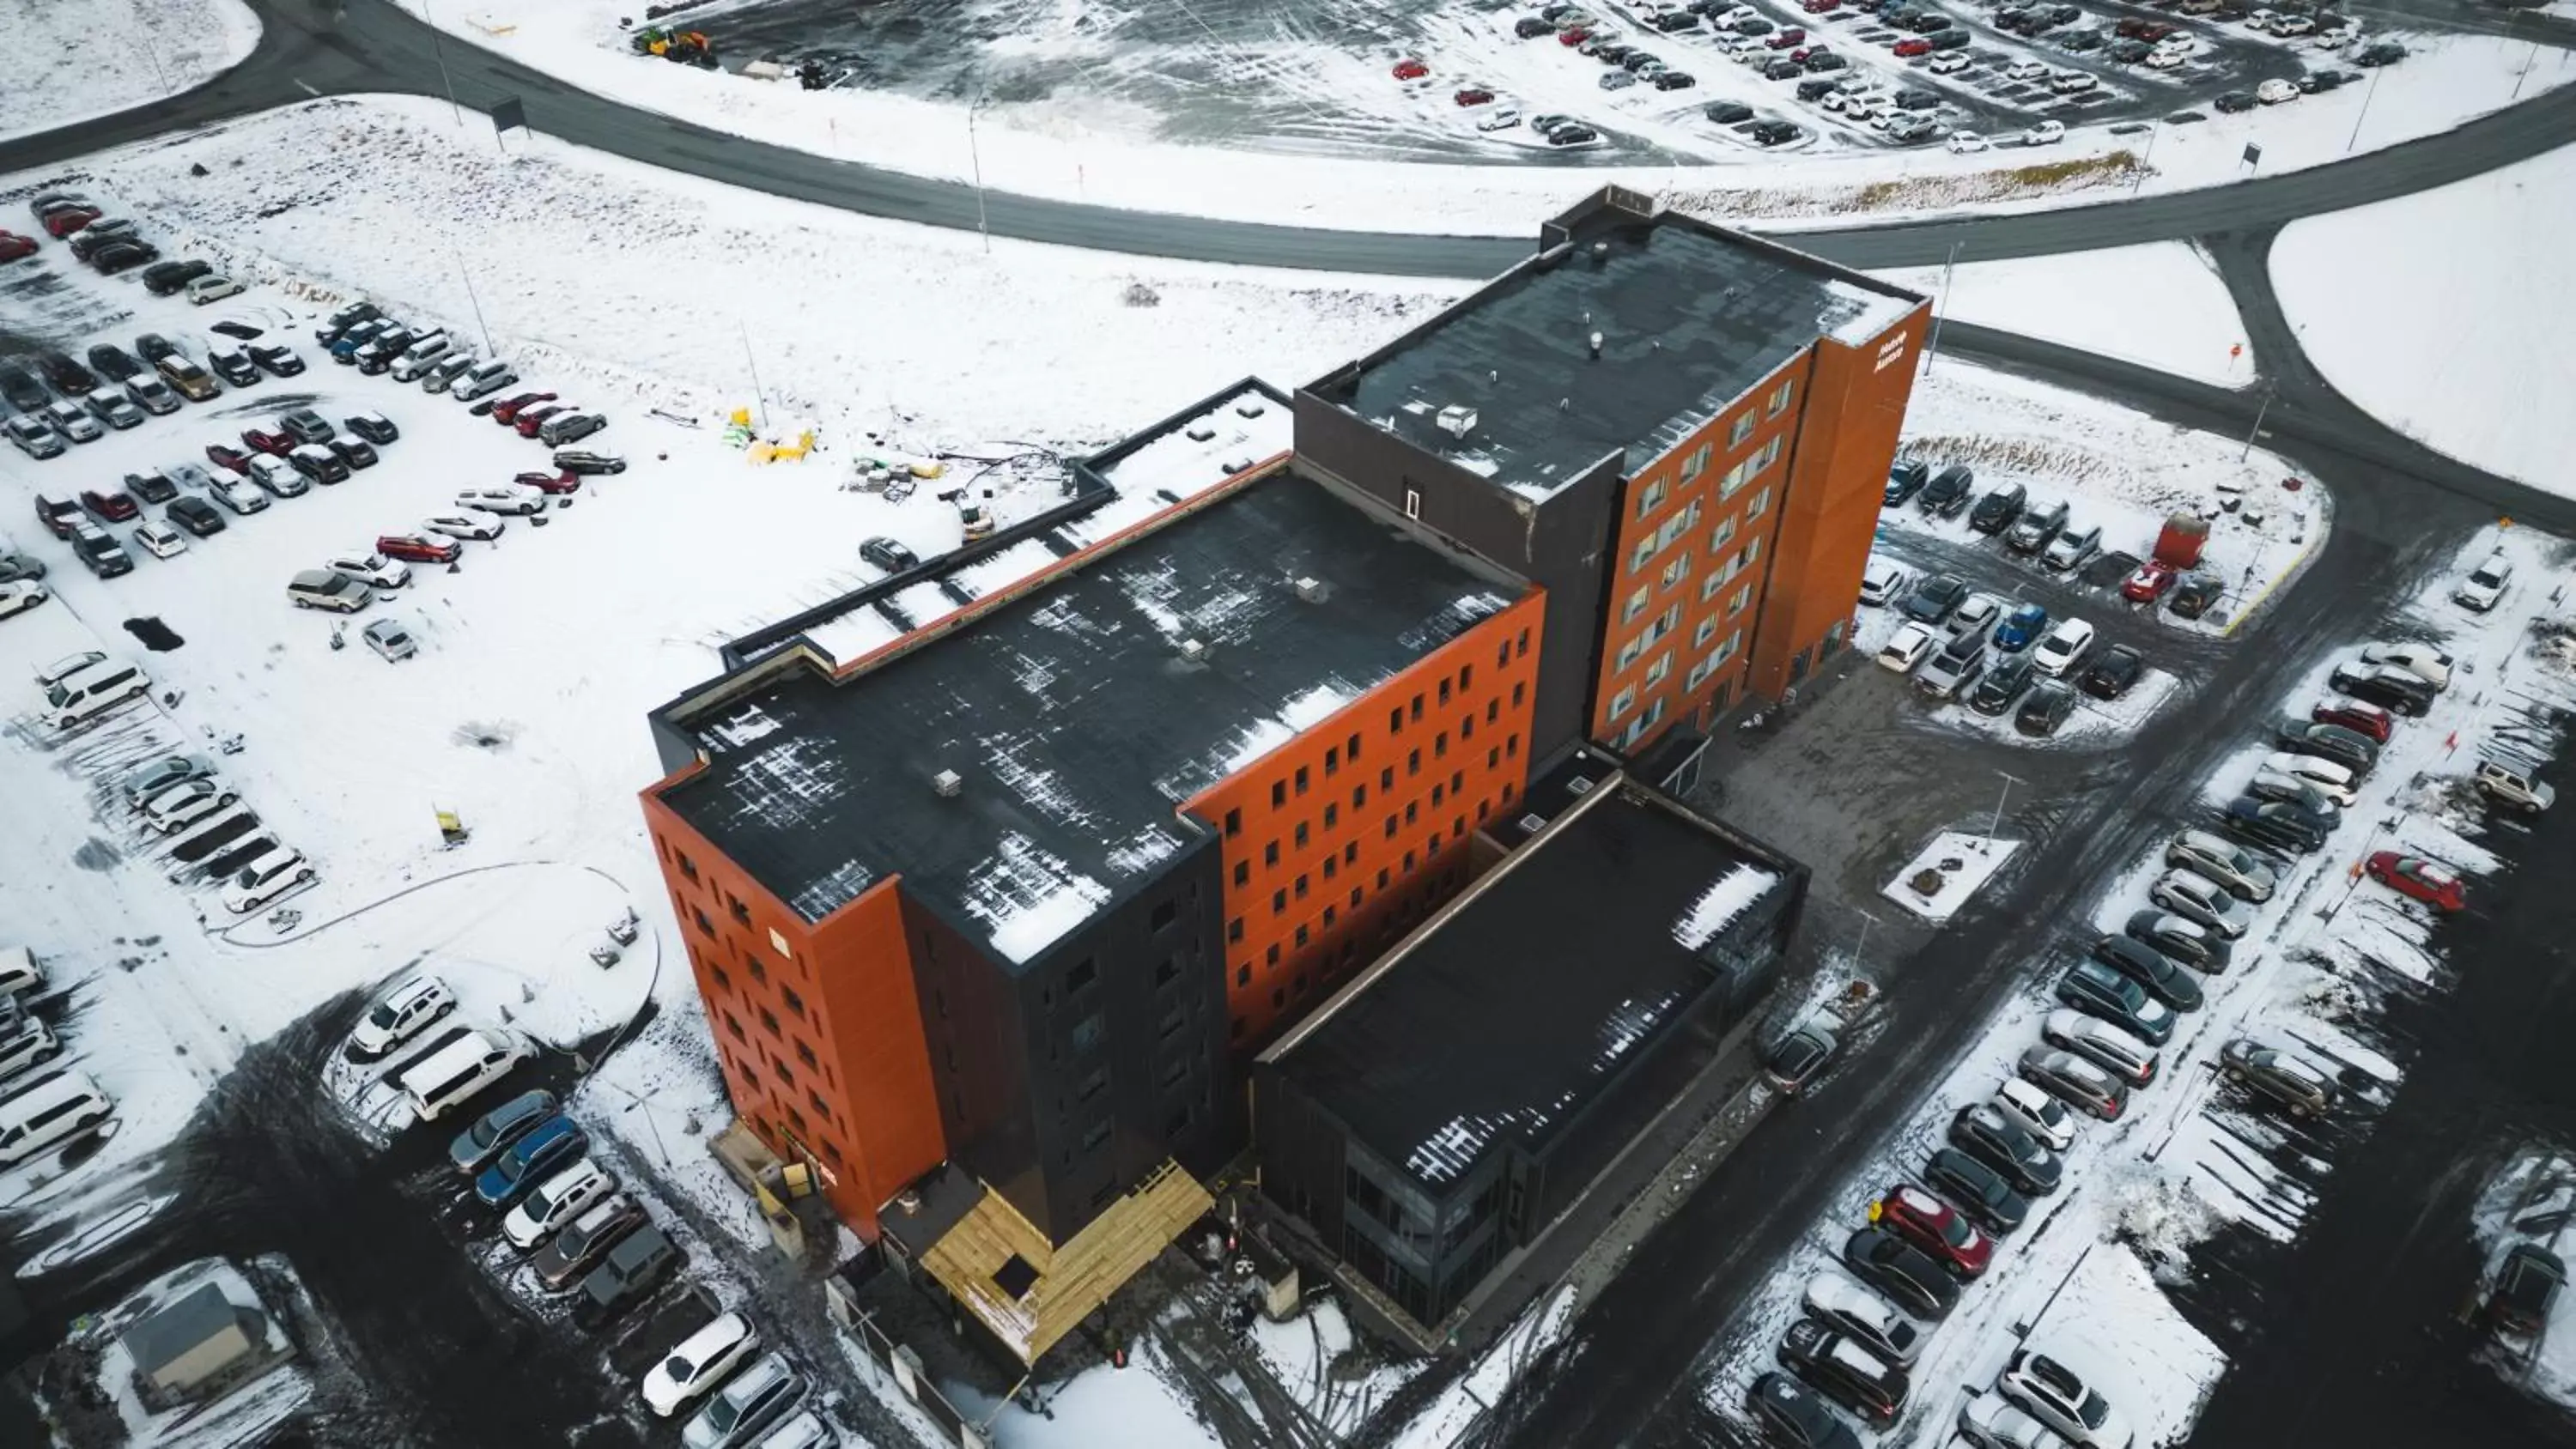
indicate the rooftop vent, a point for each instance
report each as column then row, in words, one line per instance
column 1596, row 346
column 1579, row 785
column 1198, row 432
column 1600, row 253
column 1311, row 590
column 1456, row 421
column 1193, row 649
column 947, row 783
column 1533, row 823
column 1237, row 465
column 1250, row 409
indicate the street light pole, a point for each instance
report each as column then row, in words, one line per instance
column 1932, row 347
column 440, row 52
column 976, row 155
column 2372, row 90
column 1995, row 830
column 2257, row 430
column 757, row 395
column 2149, row 155
column 489, row 350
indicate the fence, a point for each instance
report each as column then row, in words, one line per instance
column 841, row 1302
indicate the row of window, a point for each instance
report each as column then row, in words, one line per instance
column 1403, row 911
column 1652, row 495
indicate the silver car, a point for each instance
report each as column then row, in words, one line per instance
column 2224, row 861
column 749, row 1403
column 2203, row 902
column 114, row 408
column 389, row 638
column 151, row 394
column 163, row 773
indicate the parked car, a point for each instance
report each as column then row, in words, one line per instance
column 2037, row 527
column 698, row 1363
column 504, row 499
column 2113, row 672
column 1907, row 647
column 474, row 1148
column 419, row 547
column 390, row 640
column 271, row 875
column 2090, row 986
column 506, row 412
column 746, row 1405
column 404, row 1011
column 2044, row 711
column 1939, row 1230
column 2245, row 875
column 479, row 527
column 1988, row 1420
column 376, row 428
column 2073, row 547
column 2485, row 584
column 277, row 360
column 1988, row 1136
column 2397, row 690
column 1881, row 582
column 2150, row 968
column 2348, row 748
column 374, row 570
column 1905, row 478
column 1976, row 1189
column 2063, row 648
column 234, row 366
column 2132, row 1062
column 2025, row 1105
column 2054, row 1394
column 152, row 395
column 324, row 589
column 1913, row 1282
column 2183, row 942
column 2414, row 876
column 73, row 421
column 519, row 1167
column 2299, row 1089
column 556, row 1202
column 2272, row 825
column 161, row 774
column 1936, row 598
column 160, row 540
column 17, row 596
column 888, row 555
column 585, row 1240
column 2363, row 719
column 213, row 288
column 238, row 494
column 111, row 505
column 2421, row 660
column 2021, row 628
column 2003, row 682
column 1956, row 666
column 627, row 1275
column 1798, row 1057
column 1844, row 1370
column 2203, row 902
column 1794, row 1415
column 353, row 453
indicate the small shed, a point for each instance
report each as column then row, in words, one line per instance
column 193, row 1339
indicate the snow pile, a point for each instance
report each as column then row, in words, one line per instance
column 74, row 60
column 1963, row 864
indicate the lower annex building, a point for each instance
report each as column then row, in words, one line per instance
column 995, row 877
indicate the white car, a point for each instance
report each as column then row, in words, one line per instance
column 278, row 476
column 1883, row 582
column 1990, row 1421
column 2323, row 776
column 213, row 289
column 1502, row 119
column 1908, row 647
column 2064, row 647
column 1865, row 1316
column 276, row 871
column 184, row 804
column 507, row 498
column 2291, row 26
column 67, row 666
column 479, row 526
column 390, row 640
column 1963, row 142
column 803, row 1429
column 557, row 1201
column 700, row 1359
column 2046, row 133
column 399, row 1015
column 2067, row 83
column 2485, row 584
column 2276, row 90
column 2423, row 661
column 1946, row 62
column 372, row 569
column 2167, row 59
column 20, row 595
column 2025, row 70
column 2053, row 1394
column 2031, row 1109
column 2260, row 19
column 163, row 773
column 2203, row 902
column 161, row 540
column 1977, row 611
column 239, row 494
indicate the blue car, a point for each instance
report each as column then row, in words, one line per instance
column 552, row 1143
column 2022, row 627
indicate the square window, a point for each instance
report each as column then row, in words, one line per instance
column 1301, row 887
column 1271, row 959
column 1163, row 915
column 1742, row 429
column 1650, row 498
column 1278, row 793
column 1243, row 975
column 1234, row 929
column 1301, row 835
column 1270, row 853
column 1780, row 398
column 1234, row 822
column 1301, row 779
column 1279, row 903
column 1082, row 975
column 1242, row 873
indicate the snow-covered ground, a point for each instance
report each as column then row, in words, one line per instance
column 2191, row 1151
column 2532, row 1199
column 2453, row 346
column 2160, row 303
column 1963, row 863
column 71, row 60
column 1107, row 155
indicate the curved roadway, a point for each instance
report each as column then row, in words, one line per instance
column 313, row 47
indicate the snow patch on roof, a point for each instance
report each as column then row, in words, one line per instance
column 790, row 782
column 1003, row 569
column 1142, row 852
column 1182, row 465
column 1852, row 315
column 828, row 893
column 1446, row 1155
column 750, row 724
column 1030, row 897
column 1259, row 738
column 1719, row 905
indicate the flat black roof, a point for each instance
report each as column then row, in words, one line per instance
column 1503, row 1019
column 1690, row 317
column 1075, row 717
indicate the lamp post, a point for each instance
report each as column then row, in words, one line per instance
column 976, row 156
column 1932, row 347
column 440, row 52
column 1994, row 830
column 2257, row 430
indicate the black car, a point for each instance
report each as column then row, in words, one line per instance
column 277, row 361
column 627, row 1276
column 2114, row 672
column 1952, row 39
column 1815, row 89
column 233, row 366
column 2193, row 594
column 1936, row 598
column 1675, row 80
column 1906, row 476
column 168, row 277
column 353, row 452
column 2097, row 990
column 1792, row 1415
column 2150, row 968
column 151, row 487
column 1977, row 1190
column 2081, row 40
column 22, row 390
column 1927, row 22
column 2349, row 748
column 889, row 555
column 241, row 330
column 1947, row 494
column 152, row 347
column 1530, row 27
column 113, row 362
column 1898, row 1269
column 2391, row 689
column 122, row 256
column 341, row 321
column 2001, row 684
column 2045, row 711
column 1781, row 70
column 2276, row 827
column 1729, row 113
column 2130, row 52
column 2201, row 950
column 1990, row 1137
column 2386, row 52
column 2525, row 1287
column 1795, row 1059
column 1572, row 136
column 1999, row 509
column 1676, row 20
column 68, row 376
column 195, row 515
column 2324, row 80
column 1825, row 60
column 1844, row 1371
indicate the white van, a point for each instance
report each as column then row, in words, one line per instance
column 451, row 1075
column 21, row 974
column 51, row 1112
column 417, row 360
column 91, row 692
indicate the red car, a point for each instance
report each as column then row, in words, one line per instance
column 14, row 246
column 278, row 444
column 2150, row 583
column 420, row 548
column 1573, row 35
column 1411, row 69
column 531, row 419
column 1935, row 1227
column 2352, row 714
column 1917, row 46
column 550, row 482
column 1820, row 7
column 1474, row 96
column 503, row 412
column 113, row 507
column 71, row 219
column 2413, row 875
column 1794, row 35
column 223, row 457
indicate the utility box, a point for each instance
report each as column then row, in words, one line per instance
column 2179, row 545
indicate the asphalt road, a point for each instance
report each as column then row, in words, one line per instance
column 312, row 47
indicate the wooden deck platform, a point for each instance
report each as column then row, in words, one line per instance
column 1033, row 1302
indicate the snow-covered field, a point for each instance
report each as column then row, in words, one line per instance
column 2453, row 347
column 71, row 60
column 2192, row 1151
column 2160, row 303
column 1106, row 155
